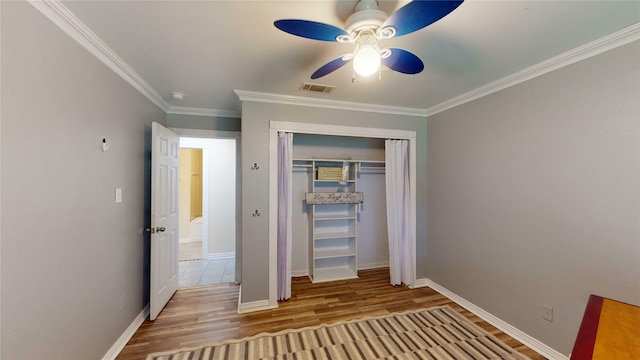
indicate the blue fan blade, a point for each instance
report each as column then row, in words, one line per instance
column 403, row 61
column 330, row 67
column 310, row 29
column 418, row 14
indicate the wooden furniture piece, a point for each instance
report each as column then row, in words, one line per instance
column 610, row 330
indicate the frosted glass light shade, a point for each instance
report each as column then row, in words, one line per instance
column 366, row 61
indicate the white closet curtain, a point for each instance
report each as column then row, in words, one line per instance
column 285, row 145
column 398, row 207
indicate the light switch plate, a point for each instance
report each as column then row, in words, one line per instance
column 118, row 195
column 548, row 313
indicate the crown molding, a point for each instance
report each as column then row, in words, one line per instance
column 324, row 103
column 69, row 23
column 179, row 110
column 606, row 43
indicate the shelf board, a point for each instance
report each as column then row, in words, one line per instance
column 323, row 236
column 310, row 159
column 333, row 253
column 333, row 181
column 333, row 273
column 334, row 217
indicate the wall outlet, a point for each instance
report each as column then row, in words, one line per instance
column 547, row 313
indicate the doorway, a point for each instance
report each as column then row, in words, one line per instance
column 191, row 246
column 207, row 211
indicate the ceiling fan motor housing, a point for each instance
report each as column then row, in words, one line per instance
column 366, row 16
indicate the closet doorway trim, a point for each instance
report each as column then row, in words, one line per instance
column 336, row 130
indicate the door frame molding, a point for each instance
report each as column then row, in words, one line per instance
column 336, row 130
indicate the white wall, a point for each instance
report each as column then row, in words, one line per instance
column 222, row 196
column 74, row 263
column 534, row 196
column 185, row 200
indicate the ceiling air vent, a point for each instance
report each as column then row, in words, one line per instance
column 317, row 87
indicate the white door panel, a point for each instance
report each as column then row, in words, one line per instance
column 164, row 217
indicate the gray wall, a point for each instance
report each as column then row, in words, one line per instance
column 533, row 195
column 255, row 184
column 202, row 122
column 337, row 147
column 73, row 262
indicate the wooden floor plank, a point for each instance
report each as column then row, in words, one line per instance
column 205, row 315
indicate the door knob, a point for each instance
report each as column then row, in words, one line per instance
column 160, row 229
column 153, row 231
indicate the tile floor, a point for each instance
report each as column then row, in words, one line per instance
column 206, row 272
column 190, row 250
column 201, row 272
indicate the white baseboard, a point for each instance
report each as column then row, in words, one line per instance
column 508, row 329
column 253, row 305
column 375, row 265
column 298, row 273
column 126, row 335
column 220, row 256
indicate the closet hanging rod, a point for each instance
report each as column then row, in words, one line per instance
column 339, row 160
column 302, row 165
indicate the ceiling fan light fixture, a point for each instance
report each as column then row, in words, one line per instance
column 368, row 25
column 366, row 60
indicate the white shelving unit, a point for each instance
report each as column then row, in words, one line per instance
column 333, row 228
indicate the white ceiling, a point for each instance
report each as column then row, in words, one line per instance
column 206, row 49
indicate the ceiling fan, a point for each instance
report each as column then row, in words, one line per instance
column 365, row 28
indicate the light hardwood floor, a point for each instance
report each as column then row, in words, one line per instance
column 204, row 315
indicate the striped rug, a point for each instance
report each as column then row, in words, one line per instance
column 435, row 333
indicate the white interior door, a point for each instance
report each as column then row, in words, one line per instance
column 164, row 217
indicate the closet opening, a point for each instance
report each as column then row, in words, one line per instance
column 339, row 236
column 335, row 241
